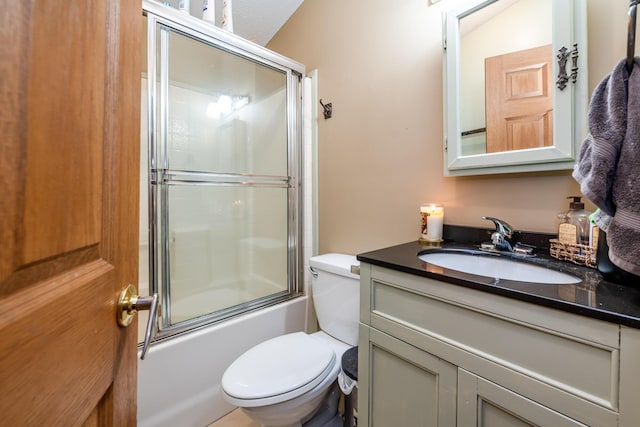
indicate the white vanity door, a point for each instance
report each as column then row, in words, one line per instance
column 407, row 386
column 482, row 403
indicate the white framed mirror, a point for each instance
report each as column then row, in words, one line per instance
column 515, row 85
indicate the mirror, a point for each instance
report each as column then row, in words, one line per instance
column 515, row 85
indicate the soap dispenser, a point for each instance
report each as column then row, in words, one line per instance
column 575, row 225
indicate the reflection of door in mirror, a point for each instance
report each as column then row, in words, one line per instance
column 501, row 28
column 519, row 100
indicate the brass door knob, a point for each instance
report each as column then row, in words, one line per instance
column 129, row 303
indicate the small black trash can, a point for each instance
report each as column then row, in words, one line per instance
column 350, row 369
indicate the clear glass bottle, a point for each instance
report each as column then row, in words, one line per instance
column 579, row 217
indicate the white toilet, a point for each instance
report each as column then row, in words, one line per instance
column 290, row 380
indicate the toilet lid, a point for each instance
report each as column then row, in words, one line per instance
column 287, row 366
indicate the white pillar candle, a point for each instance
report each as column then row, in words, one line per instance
column 183, row 6
column 432, row 222
column 209, row 11
column 424, row 213
column 227, row 15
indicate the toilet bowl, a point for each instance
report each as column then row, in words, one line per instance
column 285, row 381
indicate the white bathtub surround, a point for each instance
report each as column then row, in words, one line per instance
column 310, row 193
column 179, row 380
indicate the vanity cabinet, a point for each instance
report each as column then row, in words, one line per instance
column 437, row 354
column 483, row 403
column 412, row 387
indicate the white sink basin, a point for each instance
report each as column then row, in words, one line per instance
column 496, row 267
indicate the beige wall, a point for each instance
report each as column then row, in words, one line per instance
column 380, row 156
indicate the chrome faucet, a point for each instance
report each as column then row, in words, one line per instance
column 502, row 238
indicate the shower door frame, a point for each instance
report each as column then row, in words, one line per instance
column 160, row 177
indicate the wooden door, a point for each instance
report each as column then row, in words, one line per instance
column 69, row 166
column 519, row 100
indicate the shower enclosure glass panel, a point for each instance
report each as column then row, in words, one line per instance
column 227, row 246
column 224, row 141
column 225, row 114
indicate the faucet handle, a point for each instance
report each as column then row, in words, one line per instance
column 502, row 227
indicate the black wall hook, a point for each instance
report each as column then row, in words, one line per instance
column 328, row 109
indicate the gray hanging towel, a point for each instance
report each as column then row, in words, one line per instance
column 608, row 167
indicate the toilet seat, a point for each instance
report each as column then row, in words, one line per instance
column 277, row 370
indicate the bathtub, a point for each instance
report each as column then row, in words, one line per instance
column 179, row 380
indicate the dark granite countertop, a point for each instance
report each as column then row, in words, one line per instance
column 594, row 297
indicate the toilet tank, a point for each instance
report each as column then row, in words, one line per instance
column 335, row 292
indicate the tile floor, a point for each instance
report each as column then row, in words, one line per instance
column 236, row 418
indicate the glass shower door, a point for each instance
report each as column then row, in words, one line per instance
column 223, row 171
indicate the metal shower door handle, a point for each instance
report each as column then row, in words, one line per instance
column 129, row 303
